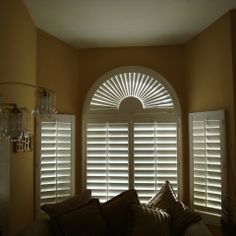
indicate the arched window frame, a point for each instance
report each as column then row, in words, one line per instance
column 151, row 114
column 132, row 69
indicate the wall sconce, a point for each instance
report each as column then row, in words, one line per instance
column 13, row 119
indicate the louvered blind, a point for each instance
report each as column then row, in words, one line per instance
column 155, row 157
column 107, row 159
column 207, row 152
column 56, row 159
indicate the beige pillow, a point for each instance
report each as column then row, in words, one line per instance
column 181, row 215
column 147, row 221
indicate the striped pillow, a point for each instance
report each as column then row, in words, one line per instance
column 149, row 221
column 181, row 216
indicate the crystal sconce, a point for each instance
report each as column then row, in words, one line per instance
column 13, row 119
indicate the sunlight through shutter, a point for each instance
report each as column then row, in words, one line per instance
column 155, row 157
column 207, row 156
column 56, row 159
column 107, row 159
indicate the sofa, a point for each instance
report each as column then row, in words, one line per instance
column 123, row 215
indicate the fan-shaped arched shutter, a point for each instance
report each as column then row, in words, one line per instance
column 148, row 90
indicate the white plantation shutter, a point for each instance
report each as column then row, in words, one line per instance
column 56, row 159
column 155, row 157
column 207, row 156
column 131, row 136
column 107, row 159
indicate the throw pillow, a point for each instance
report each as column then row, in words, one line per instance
column 87, row 220
column 68, row 204
column 181, row 216
column 149, row 221
column 118, row 211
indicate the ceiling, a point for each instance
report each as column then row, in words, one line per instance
column 120, row 23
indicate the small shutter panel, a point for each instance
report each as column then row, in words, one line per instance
column 56, row 160
column 155, row 157
column 107, row 159
column 207, row 153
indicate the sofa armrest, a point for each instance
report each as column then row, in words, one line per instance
column 197, row 229
column 39, row 227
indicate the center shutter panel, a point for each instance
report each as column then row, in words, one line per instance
column 56, row 161
column 155, row 157
column 107, row 159
column 207, row 155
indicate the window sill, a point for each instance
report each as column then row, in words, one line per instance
column 209, row 218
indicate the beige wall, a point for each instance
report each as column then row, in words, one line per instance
column 209, row 82
column 233, row 44
column 18, row 63
column 57, row 69
column 209, row 78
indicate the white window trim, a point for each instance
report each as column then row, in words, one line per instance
column 131, row 69
column 208, row 217
column 38, row 212
column 151, row 114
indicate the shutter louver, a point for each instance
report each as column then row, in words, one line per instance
column 55, row 161
column 155, row 157
column 107, row 159
column 207, row 155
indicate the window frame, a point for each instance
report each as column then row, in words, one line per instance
column 57, row 117
column 150, row 115
column 208, row 216
column 131, row 69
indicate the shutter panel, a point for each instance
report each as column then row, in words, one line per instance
column 206, row 156
column 107, row 159
column 56, row 160
column 155, row 157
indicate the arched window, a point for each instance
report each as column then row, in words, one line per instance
column 131, row 124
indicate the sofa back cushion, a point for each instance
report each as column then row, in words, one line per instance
column 53, row 210
column 87, row 220
column 68, row 204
